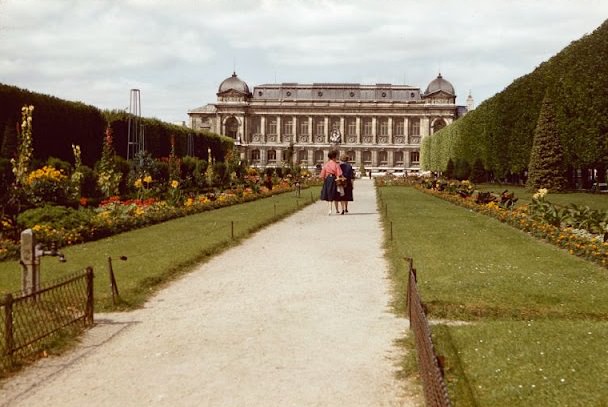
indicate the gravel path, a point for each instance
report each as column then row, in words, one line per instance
column 298, row 315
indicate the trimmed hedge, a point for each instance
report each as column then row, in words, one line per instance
column 500, row 131
column 57, row 124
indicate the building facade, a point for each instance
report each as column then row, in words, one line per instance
column 378, row 126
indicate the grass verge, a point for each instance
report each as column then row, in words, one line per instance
column 158, row 253
column 521, row 297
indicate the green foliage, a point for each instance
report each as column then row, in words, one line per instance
column 449, row 171
column 500, row 131
column 478, row 172
column 546, row 168
column 62, row 123
column 108, row 176
column 462, row 169
column 55, row 216
column 8, row 148
column 59, row 164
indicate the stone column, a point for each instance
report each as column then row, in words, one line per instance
column 263, row 130
column 279, row 130
column 374, row 124
column 375, row 162
column 342, row 130
column 326, row 129
column 310, row 131
column 263, row 157
column 358, row 130
column 406, row 159
column 390, row 130
column 424, row 127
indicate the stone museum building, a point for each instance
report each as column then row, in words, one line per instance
column 378, row 126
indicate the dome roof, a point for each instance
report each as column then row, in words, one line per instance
column 233, row 83
column 440, row 84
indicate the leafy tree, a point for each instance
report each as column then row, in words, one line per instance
column 478, row 172
column 449, row 171
column 9, row 142
column 462, row 169
column 546, row 168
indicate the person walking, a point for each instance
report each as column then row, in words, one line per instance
column 330, row 172
column 349, row 174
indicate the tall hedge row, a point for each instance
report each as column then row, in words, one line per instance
column 500, row 131
column 57, row 124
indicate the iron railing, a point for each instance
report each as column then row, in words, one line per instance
column 429, row 366
column 29, row 322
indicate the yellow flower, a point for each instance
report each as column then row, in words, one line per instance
column 174, row 184
column 138, row 184
column 147, row 179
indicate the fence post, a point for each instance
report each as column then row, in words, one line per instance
column 113, row 284
column 8, row 326
column 90, row 304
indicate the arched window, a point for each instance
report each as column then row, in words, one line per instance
column 232, row 127
column 398, row 157
column 272, row 156
column 414, row 157
column 366, row 157
column 383, row 157
column 319, row 157
column 438, row 125
column 303, row 157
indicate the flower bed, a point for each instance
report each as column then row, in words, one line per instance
column 115, row 216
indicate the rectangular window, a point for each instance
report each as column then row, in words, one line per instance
column 255, row 155
column 257, row 125
column 288, row 126
column 272, row 126
column 351, row 128
column 399, row 127
column 383, row 157
column 304, row 126
column 320, row 127
column 414, row 129
column 383, row 127
column 303, row 156
column 367, row 127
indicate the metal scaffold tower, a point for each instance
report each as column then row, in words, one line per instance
column 135, row 134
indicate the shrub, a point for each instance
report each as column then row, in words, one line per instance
column 57, row 217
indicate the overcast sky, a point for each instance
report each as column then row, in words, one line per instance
column 177, row 52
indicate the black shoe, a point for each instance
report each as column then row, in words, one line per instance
column 346, row 210
column 342, row 212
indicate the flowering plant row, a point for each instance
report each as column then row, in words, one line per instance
column 66, row 226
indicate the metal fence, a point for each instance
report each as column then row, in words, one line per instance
column 429, row 366
column 29, row 322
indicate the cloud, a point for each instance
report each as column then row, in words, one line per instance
column 178, row 52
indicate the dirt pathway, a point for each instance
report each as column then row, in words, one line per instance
column 298, row 315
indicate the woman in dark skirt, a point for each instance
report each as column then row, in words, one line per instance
column 349, row 174
column 331, row 170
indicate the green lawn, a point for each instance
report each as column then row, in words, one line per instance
column 518, row 295
column 158, row 253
